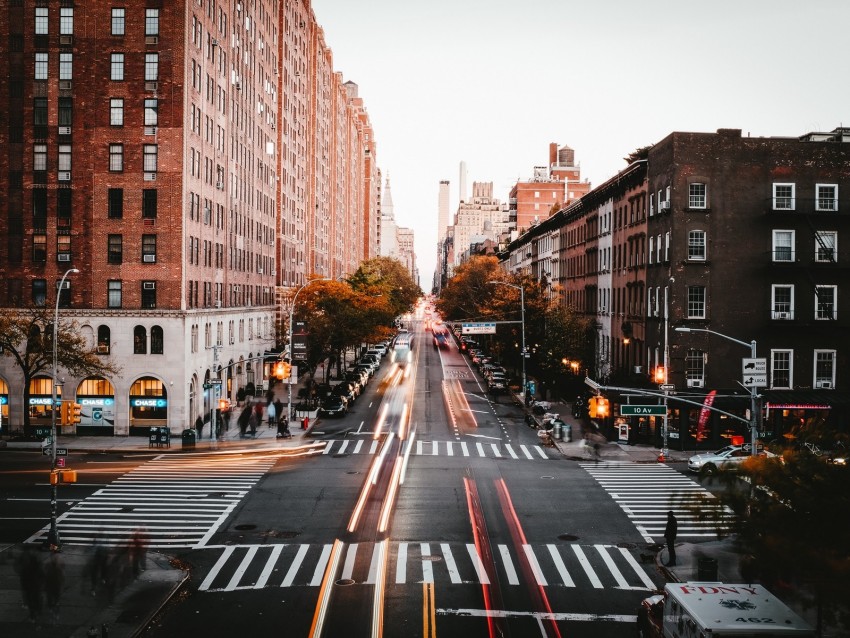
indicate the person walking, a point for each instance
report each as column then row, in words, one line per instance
column 54, row 579
column 271, row 414
column 670, row 533
column 199, row 426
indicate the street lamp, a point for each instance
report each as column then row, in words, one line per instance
column 53, row 535
column 753, row 390
column 522, row 302
column 291, row 352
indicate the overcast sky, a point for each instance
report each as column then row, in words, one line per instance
column 492, row 83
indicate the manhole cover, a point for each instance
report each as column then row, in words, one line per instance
column 567, row 537
column 344, row 582
column 626, row 545
column 352, row 472
column 547, row 477
column 245, row 527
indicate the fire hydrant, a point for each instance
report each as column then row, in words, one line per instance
column 305, row 422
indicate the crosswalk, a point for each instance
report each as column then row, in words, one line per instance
column 478, row 449
column 242, row 567
column 647, row 492
column 178, row 501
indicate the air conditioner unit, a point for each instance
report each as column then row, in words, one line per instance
column 148, row 285
column 151, row 39
column 214, row 42
column 63, row 257
column 638, row 369
column 65, row 285
column 65, row 85
column 66, row 39
column 259, row 271
column 782, row 315
column 150, row 177
column 151, row 86
column 64, row 130
column 238, row 86
column 103, row 349
column 663, row 205
column 64, row 176
column 824, row 385
column 150, row 130
column 694, row 383
column 149, row 259
column 218, row 303
column 219, row 185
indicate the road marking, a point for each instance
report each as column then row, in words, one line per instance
column 342, row 448
column 348, row 566
column 535, row 566
column 320, row 566
column 637, row 569
column 427, row 568
column 464, row 448
column 496, row 450
column 295, row 566
column 217, row 567
column 454, row 574
column 449, row 448
column 240, row 571
column 479, row 566
column 401, row 564
column 585, row 564
column 510, row 450
column 513, row 579
column 559, row 565
column 480, row 449
column 358, row 446
column 269, row 567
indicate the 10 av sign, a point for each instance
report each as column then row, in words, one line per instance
column 643, row 410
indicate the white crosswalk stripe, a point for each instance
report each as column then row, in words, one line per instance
column 179, row 501
column 647, row 492
column 601, row 566
column 446, row 448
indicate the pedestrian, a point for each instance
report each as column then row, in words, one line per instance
column 243, row 419
column 199, row 426
column 139, row 550
column 670, row 533
column 31, row 577
column 271, row 414
column 54, row 579
column 253, row 421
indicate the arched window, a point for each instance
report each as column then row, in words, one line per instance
column 103, row 339
column 140, row 340
column 156, row 340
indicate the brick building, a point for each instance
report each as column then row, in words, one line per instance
column 193, row 160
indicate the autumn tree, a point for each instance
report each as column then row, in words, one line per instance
column 388, row 277
column 467, row 294
column 26, row 337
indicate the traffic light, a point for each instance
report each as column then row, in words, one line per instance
column 592, row 407
column 223, row 405
column 65, row 412
column 601, row 407
column 660, row 374
column 283, row 370
column 75, row 415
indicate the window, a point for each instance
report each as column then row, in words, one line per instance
column 66, row 21
column 827, row 197
column 39, row 292
column 104, row 335
column 825, row 302
column 783, row 197
column 113, row 292
column 115, row 203
column 695, row 368
column 149, row 295
column 63, row 246
column 825, row 369
column 696, row 196
column 651, row 249
column 39, row 157
column 697, row 245
column 140, row 340
column 781, row 368
column 116, row 158
column 667, row 246
column 149, row 203
column 157, row 341
column 39, row 248
column 696, row 302
column 41, row 21
column 783, row 245
column 783, row 301
column 115, row 249
column 64, row 206
column 66, row 66
column 117, row 21
column 149, row 248
column 826, row 246
column 116, row 67
column 150, row 157
column 151, row 67
column 151, row 21
column 40, row 66
column 116, row 111
column 39, row 208
column 151, row 112
column 66, row 111
column 39, row 111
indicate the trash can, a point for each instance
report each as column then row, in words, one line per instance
column 188, row 439
column 154, row 437
column 707, row 569
column 567, row 432
column 556, row 430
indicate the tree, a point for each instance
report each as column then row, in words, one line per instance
column 467, row 294
column 26, row 337
column 792, row 520
column 388, row 277
column 640, row 153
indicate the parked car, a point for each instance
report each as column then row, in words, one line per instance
column 347, row 391
column 727, row 458
column 358, row 377
column 497, row 383
column 367, row 367
column 334, row 405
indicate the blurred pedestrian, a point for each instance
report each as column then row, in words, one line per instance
column 242, row 421
column 31, row 576
column 271, row 414
column 54, row 579
column 253, row 421
column 97, row 566
column 670, row 534
column 199, row 426
column 139, row 549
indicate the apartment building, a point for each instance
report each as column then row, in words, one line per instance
column 192, row 160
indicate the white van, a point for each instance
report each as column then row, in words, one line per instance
column 705, row 610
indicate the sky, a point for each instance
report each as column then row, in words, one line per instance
column 493, row 83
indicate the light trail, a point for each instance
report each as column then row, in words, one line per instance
column 380, row 424
column 479, row 535
column 367, row 486
column 402, row 424
column 407, row 455
column 380, row 586
column 325, row 591
column 389, row 498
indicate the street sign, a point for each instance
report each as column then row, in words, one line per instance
column 215, row 381
column 754, row 372
column 643, row 410
column 60, row 451
column 478, row 328
column 667, row 387
column 60, row 462
column 755, row 380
